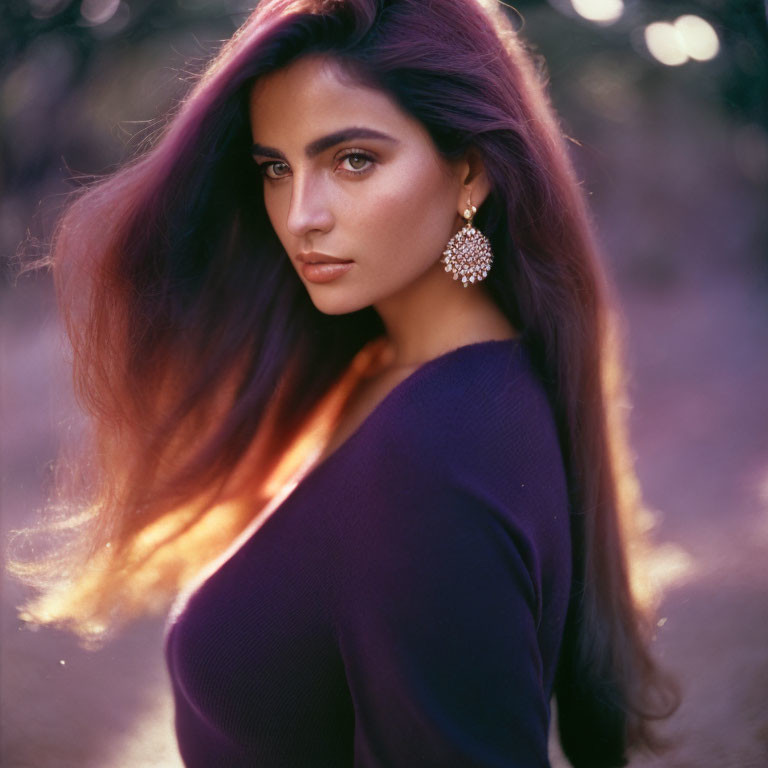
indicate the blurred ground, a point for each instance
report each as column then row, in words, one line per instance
column 679, row 195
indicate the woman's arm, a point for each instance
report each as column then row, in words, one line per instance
column 437, row 626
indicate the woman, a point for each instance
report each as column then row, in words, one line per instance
column 348, row 344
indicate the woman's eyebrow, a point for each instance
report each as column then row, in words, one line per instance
column 318, row 146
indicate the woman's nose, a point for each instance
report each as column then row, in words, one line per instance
column 309, row 208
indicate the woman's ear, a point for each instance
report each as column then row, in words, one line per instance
column 475, row 184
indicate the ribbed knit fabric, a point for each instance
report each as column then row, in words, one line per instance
column 404, row 605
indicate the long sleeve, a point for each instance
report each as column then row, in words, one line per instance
column 437, row 628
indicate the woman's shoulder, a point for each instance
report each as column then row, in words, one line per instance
column 481, row 405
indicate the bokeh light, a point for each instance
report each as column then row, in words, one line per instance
column 605, row 11
column 98, row 11
column 688, row 37
column 45, row 9
column 665, row 43
column 699, row 37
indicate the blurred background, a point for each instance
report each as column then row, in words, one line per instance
column 665, row 104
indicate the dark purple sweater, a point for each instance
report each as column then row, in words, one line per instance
column 404, row 605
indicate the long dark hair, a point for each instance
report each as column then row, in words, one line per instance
column 201, row 358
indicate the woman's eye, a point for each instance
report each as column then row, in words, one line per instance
column 357, row 162
column 273, row 169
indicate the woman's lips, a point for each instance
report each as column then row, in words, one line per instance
column 324, row 272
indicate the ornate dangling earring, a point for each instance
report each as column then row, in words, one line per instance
column 468, row 253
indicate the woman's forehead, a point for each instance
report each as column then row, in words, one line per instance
column 314, row 96
column 317, row 83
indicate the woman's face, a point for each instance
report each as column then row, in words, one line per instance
column 348, row 174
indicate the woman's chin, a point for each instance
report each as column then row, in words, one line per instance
column 335, row 305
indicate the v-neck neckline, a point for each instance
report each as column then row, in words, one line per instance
column 393, row 393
